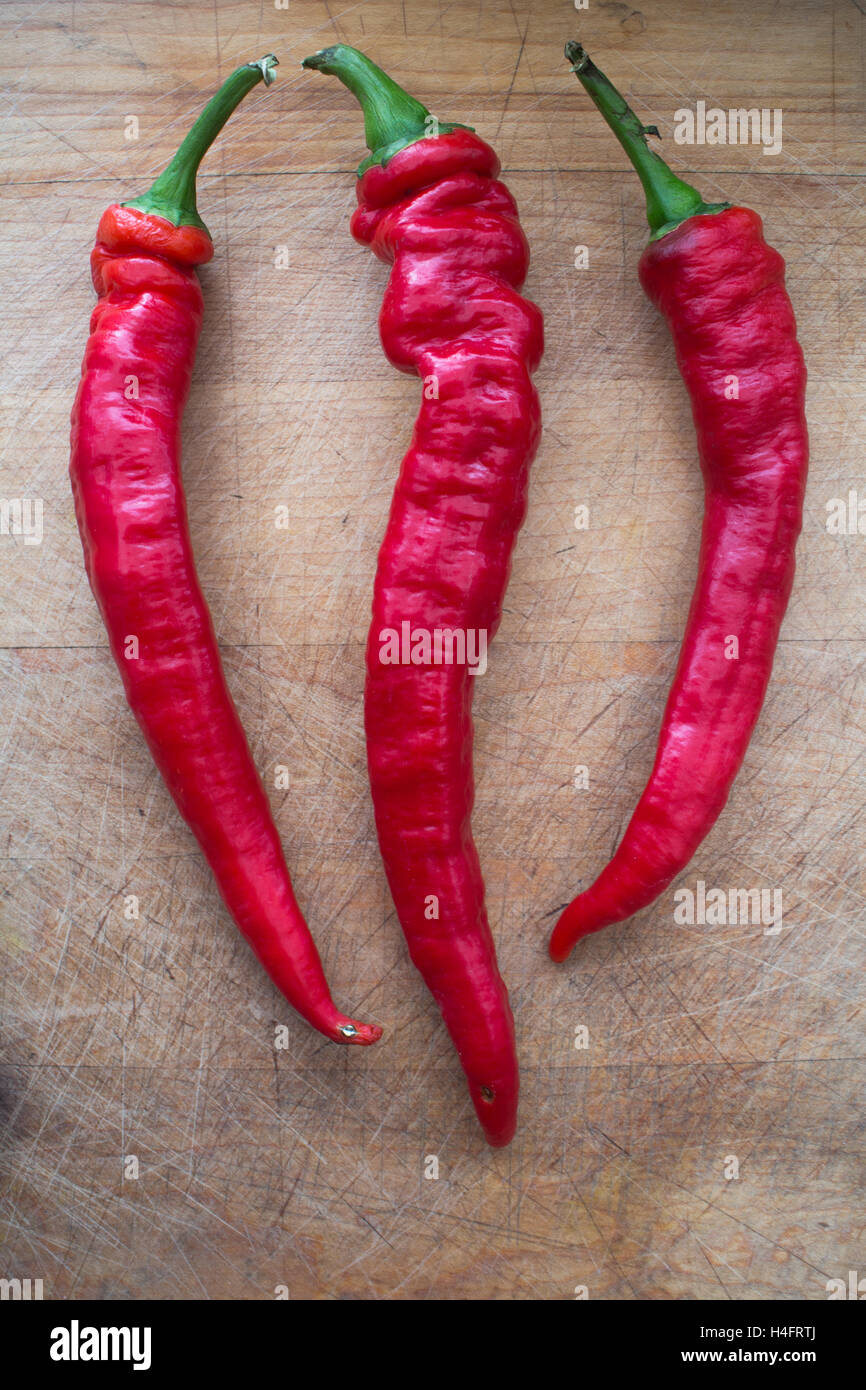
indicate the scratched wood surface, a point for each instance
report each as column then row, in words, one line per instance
column 154, row 1039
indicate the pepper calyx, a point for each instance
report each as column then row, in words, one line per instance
column 172, row 195
column 670, row 200
column 392, row 118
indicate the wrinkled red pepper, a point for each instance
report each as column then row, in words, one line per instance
column 722, row 290
column 429, row 203
column 131, row 511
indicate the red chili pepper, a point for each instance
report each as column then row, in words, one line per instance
column 131, row 511
column 430, row 204
column 722, row 291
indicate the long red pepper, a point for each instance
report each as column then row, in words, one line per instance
column 722, row 290
column 131, row 511
column 429, row 204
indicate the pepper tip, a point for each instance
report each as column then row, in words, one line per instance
column 359, row 1034
column 561, row 941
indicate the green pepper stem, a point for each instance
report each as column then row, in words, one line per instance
column 392, row 118
column 172, row 195
column 669, row 200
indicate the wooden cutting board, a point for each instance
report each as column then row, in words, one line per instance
column 708, row 1141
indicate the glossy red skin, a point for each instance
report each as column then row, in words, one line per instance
column 451, row 310
column 722, row 290
column 131, row 511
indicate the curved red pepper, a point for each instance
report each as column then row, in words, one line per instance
column 451, row 313
column 131, row 511
column 722, row 291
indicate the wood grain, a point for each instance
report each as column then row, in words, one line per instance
column 155, row 1038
